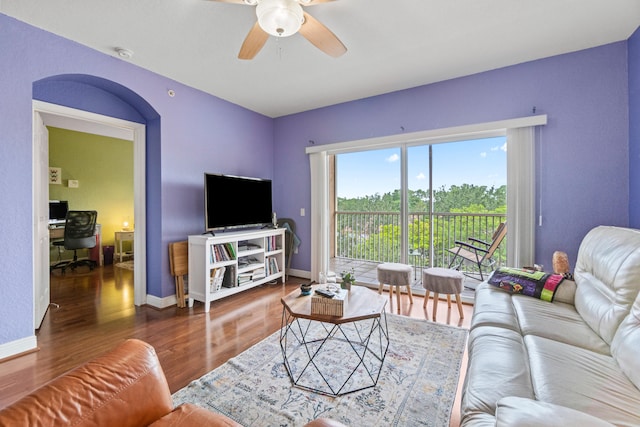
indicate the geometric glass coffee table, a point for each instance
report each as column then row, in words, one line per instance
column 334, row 355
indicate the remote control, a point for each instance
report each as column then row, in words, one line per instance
column 326, row 294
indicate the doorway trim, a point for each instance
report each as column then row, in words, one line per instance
column 84, row 121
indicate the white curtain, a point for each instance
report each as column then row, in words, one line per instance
column 521, row 196
column 319, row 214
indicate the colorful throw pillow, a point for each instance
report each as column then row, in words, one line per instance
column 537, row 284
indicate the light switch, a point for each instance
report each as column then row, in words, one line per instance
column 73, row 183
column 301, row 211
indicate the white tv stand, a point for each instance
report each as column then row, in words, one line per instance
column 251, row 258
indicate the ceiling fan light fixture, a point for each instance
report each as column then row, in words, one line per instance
column 280, row 18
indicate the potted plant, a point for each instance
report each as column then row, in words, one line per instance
column 348, row 279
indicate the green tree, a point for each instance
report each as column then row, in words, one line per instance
column 465, row 195
column 377, row 237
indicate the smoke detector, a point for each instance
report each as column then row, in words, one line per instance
column 124, row 53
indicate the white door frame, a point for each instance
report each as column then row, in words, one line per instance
column 84, row 121
column 41, row 291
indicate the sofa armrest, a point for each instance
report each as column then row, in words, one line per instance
column 523, row 412
column 189, row 415
column 126, row 387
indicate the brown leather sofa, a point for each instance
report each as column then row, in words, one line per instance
column 125, row 387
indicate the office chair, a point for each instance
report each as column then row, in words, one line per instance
column 79, row 233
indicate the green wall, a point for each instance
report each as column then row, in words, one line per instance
column 103, row 167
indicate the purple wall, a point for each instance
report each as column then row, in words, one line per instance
column 583, row 172
column 189, row 134
column 583, row 176
column 634, row 130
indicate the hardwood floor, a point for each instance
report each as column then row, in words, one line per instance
column 91, row 312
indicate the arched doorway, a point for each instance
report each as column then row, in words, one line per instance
column 89, row 103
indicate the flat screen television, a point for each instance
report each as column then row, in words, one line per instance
column 236, row 201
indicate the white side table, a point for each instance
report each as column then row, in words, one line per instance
column 122, row 236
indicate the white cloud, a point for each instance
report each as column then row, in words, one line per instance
column 504, row 147
column 393, row 158
column 421, row 176
column 483, row 154
column 496, row 148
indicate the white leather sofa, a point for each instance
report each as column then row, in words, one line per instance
column 571, row 362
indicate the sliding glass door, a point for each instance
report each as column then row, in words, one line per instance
column 367, row 215
column 410, row 203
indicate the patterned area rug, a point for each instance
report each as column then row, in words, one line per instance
column 417, row 384
column 128, row 265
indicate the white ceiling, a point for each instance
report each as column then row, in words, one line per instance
column 392, row 44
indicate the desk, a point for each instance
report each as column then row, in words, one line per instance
column 122, row 236
column 95, row 254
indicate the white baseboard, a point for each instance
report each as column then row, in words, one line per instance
column 165, row 302
column 16, row 347
column 299, row 273
column 158, row 302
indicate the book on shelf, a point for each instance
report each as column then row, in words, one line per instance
column 222, row 252
column 216, row 277
column 231, row 250
column 245, row 245
column 272, row 243
column 251, row 276
column 244, row 262
column 272, row 266
column 258, row 273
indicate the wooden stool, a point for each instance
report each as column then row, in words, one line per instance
column 442, row 281
column 395, row 275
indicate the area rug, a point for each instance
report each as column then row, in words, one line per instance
column 416, row 387
column 127, row 265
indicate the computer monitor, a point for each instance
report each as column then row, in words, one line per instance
column 58, row 211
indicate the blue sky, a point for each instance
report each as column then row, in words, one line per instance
column 479, row 162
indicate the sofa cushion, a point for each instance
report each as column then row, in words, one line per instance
column 525, row 315
column 521, row 412
column 606, row 273
column 493, row 307
column 583, row 380
column 556, row 321
column 625, row 347
column 498, row 367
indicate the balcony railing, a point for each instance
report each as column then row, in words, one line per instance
column 376, row 236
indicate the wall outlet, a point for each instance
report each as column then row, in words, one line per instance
column 301, row 211
column 73, row 183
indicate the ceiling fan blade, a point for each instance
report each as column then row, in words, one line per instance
column 253, row 42
column 321, row 37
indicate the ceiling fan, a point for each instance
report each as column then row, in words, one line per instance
column 283, row 18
